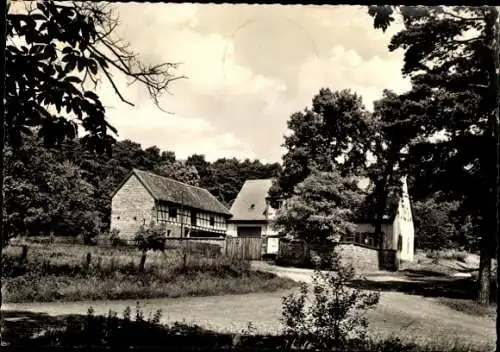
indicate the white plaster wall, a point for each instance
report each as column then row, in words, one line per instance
column 232, row 229
column 403, row 225
column 267, row 229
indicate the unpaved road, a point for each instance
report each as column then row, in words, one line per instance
column 420, row 317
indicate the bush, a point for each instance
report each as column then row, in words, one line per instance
column 450, row 254
column 114, row 238
column 334, row 316
column 151, row 237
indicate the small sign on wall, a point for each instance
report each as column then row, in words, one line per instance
column 272, row 245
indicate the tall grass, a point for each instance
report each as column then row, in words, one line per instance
column 448, row 254
column 54, row 273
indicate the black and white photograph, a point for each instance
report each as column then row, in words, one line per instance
column 249, row 177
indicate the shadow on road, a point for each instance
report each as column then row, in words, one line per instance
column 442, row 286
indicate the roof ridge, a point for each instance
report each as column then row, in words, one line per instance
column 260, row 179
column 169, row 178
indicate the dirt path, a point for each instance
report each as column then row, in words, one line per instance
column 396, row 312
column 419, row 316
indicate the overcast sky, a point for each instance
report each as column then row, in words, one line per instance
column 249, row 67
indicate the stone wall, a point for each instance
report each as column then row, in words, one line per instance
column 131, row 207
column 363, row 259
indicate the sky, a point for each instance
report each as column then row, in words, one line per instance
column 248, row 68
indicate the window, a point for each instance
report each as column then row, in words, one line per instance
column 212, row 221
column 168, row 233
column 172, row 213
column 193, row 218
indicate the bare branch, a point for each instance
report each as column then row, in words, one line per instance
column 467, row 19
column 117, row 91
column 117, row 53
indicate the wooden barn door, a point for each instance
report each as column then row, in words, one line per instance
column 244, row 248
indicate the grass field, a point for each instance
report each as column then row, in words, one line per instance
column 63, row 273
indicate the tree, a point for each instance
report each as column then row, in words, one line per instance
column 391, row 134
column 225, row 177
column 179, row 171
column 52, row 51
column 334, row 318
column 43, row 196
column 435, row 226
column 322, row 209
column 339, row 134
column 334, row 134
column 454, row 75
column 202, row 166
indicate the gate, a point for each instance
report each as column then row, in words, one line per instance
column 244, row 248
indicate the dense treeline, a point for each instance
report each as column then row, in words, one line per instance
column 66, row 190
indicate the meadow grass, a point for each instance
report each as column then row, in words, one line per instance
column 469, row 306
column 63, row 273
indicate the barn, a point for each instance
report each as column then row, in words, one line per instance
column 185, row 210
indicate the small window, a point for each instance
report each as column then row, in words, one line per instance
column 212, row 221
column 168, row 233
column 135, row 218
column 117, row 218
column 172, row 213
column 252, row 206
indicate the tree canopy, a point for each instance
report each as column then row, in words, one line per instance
column 451, row 55
column 322, row 208
column 54, row 50
column 333, row 133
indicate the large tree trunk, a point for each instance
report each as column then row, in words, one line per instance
column 484, row 282
column 496, row 134
column 381, row 193
column 488, row 241
column 3, row 237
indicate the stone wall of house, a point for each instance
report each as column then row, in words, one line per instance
column 131, row 207
column 363, row 259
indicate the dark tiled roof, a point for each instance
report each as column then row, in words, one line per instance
column 168, row 190
column 250, row 204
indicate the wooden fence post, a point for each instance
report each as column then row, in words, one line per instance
column 24, row 254
column 142, row 264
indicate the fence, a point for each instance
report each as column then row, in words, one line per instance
column 246, row 248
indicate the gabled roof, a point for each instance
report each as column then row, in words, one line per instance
column 168, row 190
column 250, row 203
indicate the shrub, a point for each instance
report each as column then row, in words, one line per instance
column 450, row 254
column 151, row 237
column 334, row 316
column 114, row 237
